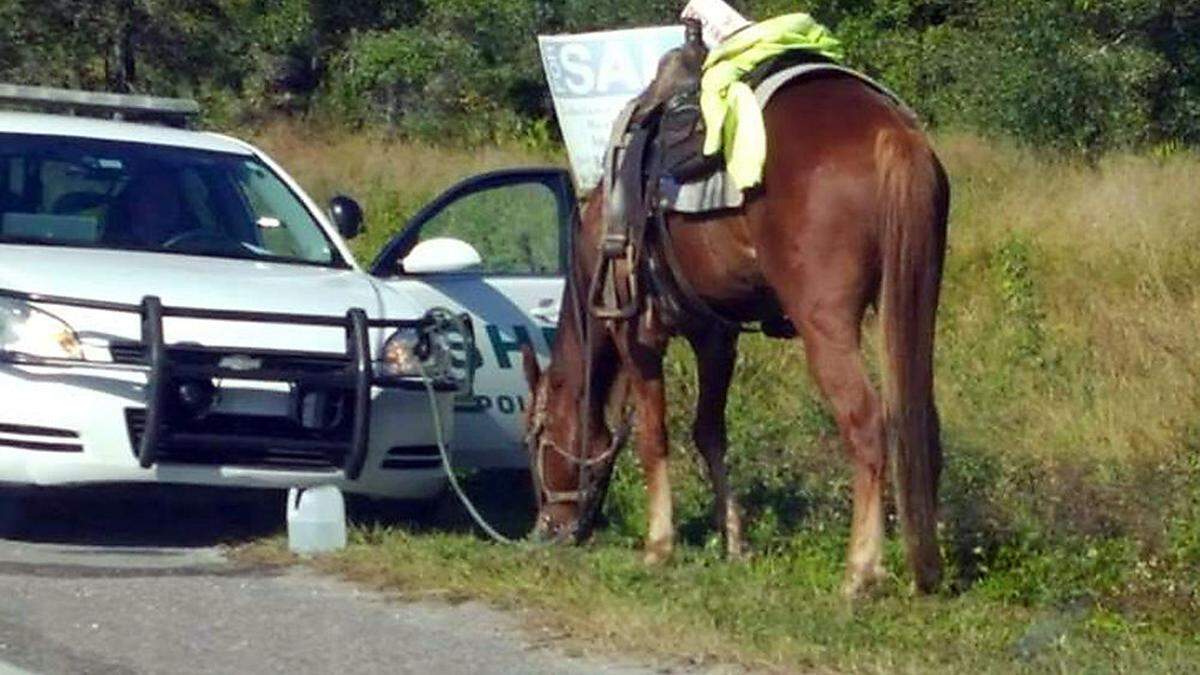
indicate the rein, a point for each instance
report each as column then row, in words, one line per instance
column 617, row 243
column 587, row 495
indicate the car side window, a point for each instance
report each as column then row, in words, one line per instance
column 515, row 228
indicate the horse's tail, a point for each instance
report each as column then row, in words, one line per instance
column 915, row 197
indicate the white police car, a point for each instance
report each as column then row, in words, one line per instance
column 174, row 308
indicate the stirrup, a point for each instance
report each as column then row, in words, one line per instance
column 605, row 278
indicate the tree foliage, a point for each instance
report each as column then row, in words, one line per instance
column 1084, row 75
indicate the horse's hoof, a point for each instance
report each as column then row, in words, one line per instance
column 657, row 554
column 861, row 583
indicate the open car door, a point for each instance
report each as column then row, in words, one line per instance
column 518, row 221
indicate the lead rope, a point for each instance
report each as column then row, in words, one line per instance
column 588, row 510
column 435, row 411
column 440, row 437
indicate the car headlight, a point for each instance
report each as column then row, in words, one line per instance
column 409, row 352
column 25, row 329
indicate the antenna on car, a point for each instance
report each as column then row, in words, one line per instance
column 173, row 112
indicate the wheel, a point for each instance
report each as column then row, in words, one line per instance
column 386, row 511
column 14, row 513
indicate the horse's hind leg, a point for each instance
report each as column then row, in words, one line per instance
column 716, row 353
column 831, row 334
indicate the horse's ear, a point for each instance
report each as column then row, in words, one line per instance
column 533, row 372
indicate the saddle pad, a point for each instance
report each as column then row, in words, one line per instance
column 718, row 191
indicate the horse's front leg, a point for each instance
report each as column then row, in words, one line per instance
column 644, row 364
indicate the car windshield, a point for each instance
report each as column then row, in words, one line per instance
column 135, row 196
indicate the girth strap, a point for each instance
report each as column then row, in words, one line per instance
column 674, row 291
column 672, row 285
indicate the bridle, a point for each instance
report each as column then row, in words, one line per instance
column 589, row 494
column 544, row 445
column 585, row 497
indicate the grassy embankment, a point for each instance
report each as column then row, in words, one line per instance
column 1067, row 380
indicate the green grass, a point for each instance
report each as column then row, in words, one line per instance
column 778, row 611
column 1069, row 388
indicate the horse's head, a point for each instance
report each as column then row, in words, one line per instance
column 570, row 464
column 550, row 436
column 570, row 477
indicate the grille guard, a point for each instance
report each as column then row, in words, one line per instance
column 352, row 372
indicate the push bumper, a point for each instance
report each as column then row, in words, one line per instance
column 164, row 436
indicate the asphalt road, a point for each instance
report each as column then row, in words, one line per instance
column 134, row 581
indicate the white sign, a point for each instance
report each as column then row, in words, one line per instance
column 592, row 76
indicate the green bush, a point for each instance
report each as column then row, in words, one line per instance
column 1084, row 76
column 1061, row 74
column 469, row 71
column 384, row 76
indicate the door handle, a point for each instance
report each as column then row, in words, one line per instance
column 547, row 311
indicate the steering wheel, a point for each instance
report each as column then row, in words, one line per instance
column 196, row 236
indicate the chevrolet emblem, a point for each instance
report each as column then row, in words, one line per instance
column 240, row 362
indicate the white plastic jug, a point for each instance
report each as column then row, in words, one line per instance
column 316, row 520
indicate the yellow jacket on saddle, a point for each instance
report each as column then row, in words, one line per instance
column 732, row 116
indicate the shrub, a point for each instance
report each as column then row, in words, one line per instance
column 1082, row 75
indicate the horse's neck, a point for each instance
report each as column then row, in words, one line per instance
column 568, row 348
column 570, row 351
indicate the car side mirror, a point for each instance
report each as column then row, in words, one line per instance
column 347, row 215
column 441, row 255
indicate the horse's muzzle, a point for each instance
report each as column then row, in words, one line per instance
column 545, row 531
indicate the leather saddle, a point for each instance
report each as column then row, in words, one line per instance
column 664, row 137
column 670, row 108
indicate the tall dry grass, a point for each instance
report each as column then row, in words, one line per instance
column 1068, row 347
column 1114, row 266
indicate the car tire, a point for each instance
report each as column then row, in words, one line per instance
column 390, row 512
column 14, row 513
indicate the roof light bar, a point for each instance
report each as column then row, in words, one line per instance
column 173, row 111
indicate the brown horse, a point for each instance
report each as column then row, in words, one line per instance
column 851, row 214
